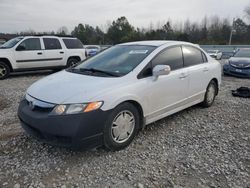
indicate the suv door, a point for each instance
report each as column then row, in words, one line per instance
column 29, row 54
column 198, row 68
column 54, row 53
column 168, row 92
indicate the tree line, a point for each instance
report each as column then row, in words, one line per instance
column 212, row 30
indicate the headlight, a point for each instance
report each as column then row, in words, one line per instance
column 64, row 109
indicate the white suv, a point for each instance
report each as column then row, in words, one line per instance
column 107, row 99
column 39, row 52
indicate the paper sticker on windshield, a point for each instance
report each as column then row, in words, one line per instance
column 138, row 52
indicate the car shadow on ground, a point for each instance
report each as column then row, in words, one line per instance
column 31, row 73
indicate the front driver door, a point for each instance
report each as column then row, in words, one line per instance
column 168, row 92
column 28, row 54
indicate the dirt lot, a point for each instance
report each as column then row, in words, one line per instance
column 194, row 148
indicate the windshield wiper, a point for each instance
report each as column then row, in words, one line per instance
column 101, row 71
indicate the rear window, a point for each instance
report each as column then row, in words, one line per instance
column 192, row 56
column 73, row 43
column 52, row 44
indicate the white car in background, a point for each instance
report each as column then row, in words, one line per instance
column 92, row 50
column 217, row 54
column 39, row 52
column 109, row 98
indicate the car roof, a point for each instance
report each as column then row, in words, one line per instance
column 156, row 43
column 49, row 36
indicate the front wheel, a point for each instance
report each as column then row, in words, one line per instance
column 210, row 94
column 121, row 127
column 4, row 70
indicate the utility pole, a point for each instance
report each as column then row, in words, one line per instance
column 231, row 34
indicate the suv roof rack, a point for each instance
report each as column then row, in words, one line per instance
column 40, row 35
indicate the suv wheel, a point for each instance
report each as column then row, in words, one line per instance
column 72, row 62
column 4, row 70
column 121, row 127
column 210, row 94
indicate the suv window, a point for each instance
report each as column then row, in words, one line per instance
column 192, row 56
column 171, row 56
column 73, row 43
column 51, row 44
column 30, row 44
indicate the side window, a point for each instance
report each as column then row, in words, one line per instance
column 204, row 57
column 29, row 44
column 192, row 56
column 51, row 44
column 171, row 56
column 73, row 43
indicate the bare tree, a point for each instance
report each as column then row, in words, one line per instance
column 247, row 11
column 63, row 30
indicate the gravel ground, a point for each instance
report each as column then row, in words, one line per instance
column 194, row 148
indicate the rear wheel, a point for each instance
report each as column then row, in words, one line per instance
column 210, row 94
column 121, row 127
column 4, row 70
column 72, row 62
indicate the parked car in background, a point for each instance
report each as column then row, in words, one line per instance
column 217, row 54
column 110, row 97
column 39, row 52
column 239, row 64
column 92, row 50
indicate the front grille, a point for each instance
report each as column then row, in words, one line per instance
column 240, row 66
column 38, row 105
column 38, row 108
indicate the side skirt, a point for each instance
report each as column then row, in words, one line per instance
column 175, row 108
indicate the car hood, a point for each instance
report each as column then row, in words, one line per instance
column 67, row 88
column 239, row 61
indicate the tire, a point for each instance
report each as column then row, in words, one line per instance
column 117, row 135
column 4, row 70
column 72, row 62
column 210, row 94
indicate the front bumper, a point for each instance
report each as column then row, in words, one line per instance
column 237, row 72
column 83, row 130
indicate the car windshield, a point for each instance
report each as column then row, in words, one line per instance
column 116, row 61
column 243, row 53
column 11, row 43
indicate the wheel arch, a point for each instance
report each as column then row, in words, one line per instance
column 7, row 62
column 138, row 106
column 74, row 57
column 217, row 84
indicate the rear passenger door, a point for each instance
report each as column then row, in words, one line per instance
column 53, row 52
column 196, row 64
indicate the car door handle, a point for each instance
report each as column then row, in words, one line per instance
column 39, row 53
column 183, row 75
column 61, row 52
column 205, row 69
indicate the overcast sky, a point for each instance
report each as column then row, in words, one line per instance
column 47, row 15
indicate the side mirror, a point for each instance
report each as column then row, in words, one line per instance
column 20, row 48
column 159, row 70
